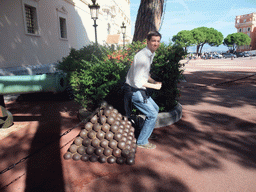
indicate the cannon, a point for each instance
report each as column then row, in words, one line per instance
column 18, row 84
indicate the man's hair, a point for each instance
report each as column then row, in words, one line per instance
column 153, row 33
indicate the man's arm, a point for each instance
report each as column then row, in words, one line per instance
column 153, row 84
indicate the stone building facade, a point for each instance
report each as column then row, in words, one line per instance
column 41, row 32
column 247, row 24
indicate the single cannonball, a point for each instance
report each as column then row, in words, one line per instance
column 128, row 142
column 112, row 144
column 107, row 151
column 121, row 144
column 126, row 130
column 105, row 127
column 131, row 134
column 83, row 133
column 131, row 155
column 118, row 136
column 116, row 152
column 117, row 122
column 121, row 126
column 88, row 126
column 120, row 115
column 130, row 161
column 109, row 135
column 92, row 134
column 134, row 140
column 102, row 159
column 67, row 156
column 118, row 118
column 99, row 151
column 133, row 150
column 78, row 141
column 114, row 128
column 107, row 112
column 125, row 153
column 120, row 130
column 125, row 134
column 124, row 139
column 120, row 160
column 113, row 115
column 110, row 107
column 129, row 123
column 96, row 127
column 128, row 147
column 94, row 119
column 115, row 111
column 103, row 119
column 132, row 129
column 81, row 150
column 76, row 157
column 110, row 120
column 123, row 122
column 90, row 150
column 73, row 148
column 93, row 158
column 85, row 157
column 128, row 126
column 95, row 142
column 103, row 104
column 86, row 142
column 111, row 159
column 104, row 143
column 100, row 135
column 130, row 138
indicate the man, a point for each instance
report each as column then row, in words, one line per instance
column 137, row 81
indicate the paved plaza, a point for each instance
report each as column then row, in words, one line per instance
column 211, row 149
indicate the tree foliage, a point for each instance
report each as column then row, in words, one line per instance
column 199, row 37
column 184, row 38
column 148, row 18
column 236, row 39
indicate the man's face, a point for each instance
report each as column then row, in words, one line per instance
column 153, row 43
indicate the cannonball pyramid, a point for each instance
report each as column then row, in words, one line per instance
column 106, row 137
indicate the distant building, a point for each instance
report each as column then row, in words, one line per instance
column 247, row 24
column 41, row 32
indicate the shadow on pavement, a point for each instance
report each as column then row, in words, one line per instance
column 202, row 85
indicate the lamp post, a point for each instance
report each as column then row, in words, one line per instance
column 123, row 29
column 94, row 8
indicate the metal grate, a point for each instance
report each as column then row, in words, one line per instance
column 63, row 28
column 30, row 19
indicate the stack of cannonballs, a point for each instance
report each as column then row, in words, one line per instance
column 107, row 137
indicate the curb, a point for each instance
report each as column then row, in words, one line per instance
column 168, row 118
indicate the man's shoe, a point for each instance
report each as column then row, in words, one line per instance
column 147, row 146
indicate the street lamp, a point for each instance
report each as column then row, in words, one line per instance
column 94, row 8
column 123, row 29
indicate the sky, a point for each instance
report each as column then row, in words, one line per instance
column 189, row 14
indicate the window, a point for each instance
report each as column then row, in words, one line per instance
column 63, row 28
column 240, row 30
column 30, row 17
column 249, row 29
column 62, row 19
column 244, row 20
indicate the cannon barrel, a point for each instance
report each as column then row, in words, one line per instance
column 32, row 83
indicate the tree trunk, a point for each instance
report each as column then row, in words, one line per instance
column 148, row 18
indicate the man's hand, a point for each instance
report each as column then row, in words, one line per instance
column 158, row 85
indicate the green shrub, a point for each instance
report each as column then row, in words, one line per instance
column 96, row 73
column 166, row 69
